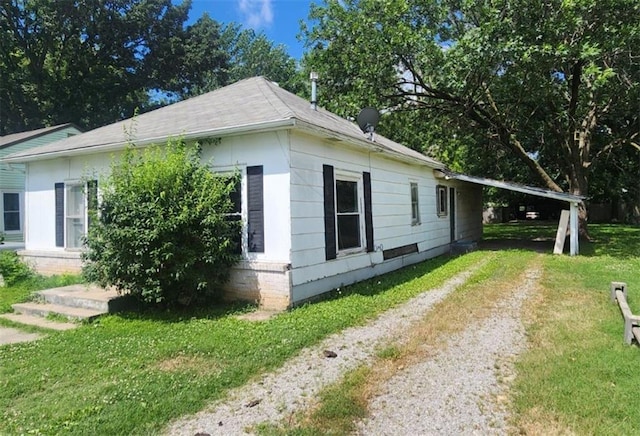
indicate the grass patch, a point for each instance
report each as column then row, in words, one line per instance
column 21, row 291
column 133, row 373
column 579, row 374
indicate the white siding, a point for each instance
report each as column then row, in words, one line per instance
column 269, row 150
column 293, row 267
column 391, row 210
column 40, row 196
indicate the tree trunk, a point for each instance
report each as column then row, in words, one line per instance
column 579, row 180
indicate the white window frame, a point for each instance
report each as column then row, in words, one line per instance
column 345, row 176
column 20, row 212
column 68, row 186
column 442, row 200
column 414, row 195
column 227, row 171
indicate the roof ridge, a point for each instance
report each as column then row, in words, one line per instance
column 273, row 87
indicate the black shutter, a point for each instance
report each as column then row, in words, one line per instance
column 368, row 215
column 92, row 201
column 329, row 213
column 255, row 206
column 59, row 192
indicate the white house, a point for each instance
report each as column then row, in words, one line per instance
column 12, row 176
column 323, row 205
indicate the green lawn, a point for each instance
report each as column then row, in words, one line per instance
column 579, row 376
column 132, row 374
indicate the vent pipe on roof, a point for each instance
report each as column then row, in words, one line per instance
column 314, row 97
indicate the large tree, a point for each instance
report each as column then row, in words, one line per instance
column 253, row 54
column 93, row 62
column 553, row 83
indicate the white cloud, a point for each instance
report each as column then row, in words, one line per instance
column 256, row 13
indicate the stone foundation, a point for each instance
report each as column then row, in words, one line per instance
column 52, row 262
column 265, row 283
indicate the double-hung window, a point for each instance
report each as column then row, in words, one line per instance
column 348, row 216
column 251, row 238
column 11, row 211
column 76, row 205
column 415, row 205
column 235, row 214
column 75, row 215
column 441, row 200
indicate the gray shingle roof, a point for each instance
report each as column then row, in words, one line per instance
column 249, row 105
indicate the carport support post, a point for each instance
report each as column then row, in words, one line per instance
column 573, row 225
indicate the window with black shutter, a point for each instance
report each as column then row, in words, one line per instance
column 255, row 209
column 347, row 212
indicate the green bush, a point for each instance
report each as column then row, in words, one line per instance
column 161, row 232
column 13, row 269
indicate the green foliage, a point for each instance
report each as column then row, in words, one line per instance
column 162, row 233
column 92, row 62
column 13, row 269
column 253, row 54
column 534, row 91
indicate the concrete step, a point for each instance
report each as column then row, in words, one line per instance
column 38, row 321
column 82, row 296
column 44, row 309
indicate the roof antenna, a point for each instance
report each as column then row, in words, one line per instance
column 368, row 120
column 314, row 97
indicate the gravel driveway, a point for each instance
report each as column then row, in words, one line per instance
column 462, row 389
column 454, row 392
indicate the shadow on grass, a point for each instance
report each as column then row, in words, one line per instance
column 616, row 240
column 385, row 282
column 536, row 236
column 218, row 309
column 177, row 314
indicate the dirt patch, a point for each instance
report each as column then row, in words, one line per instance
column 184, row 363
column 259, row 315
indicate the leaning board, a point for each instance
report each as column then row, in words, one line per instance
column 561, row 234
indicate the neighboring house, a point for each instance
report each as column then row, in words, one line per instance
column 12, row 176
column 322, row 204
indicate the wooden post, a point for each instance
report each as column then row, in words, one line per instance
column 574, row 250
column 617, row 286
column 561, row 234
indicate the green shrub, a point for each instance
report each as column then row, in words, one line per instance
column 13, row 269
column 162, row 233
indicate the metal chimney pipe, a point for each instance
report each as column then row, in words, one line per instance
column 314, row 93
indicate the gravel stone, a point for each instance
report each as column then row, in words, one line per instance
column 461, row 390
column 294, row 386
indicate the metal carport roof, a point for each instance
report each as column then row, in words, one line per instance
column 572, row 199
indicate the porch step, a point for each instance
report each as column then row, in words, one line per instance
column 38, row 321
column 81, row 296
column 44, row 309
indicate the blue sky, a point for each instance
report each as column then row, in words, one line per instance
column 278, row 19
